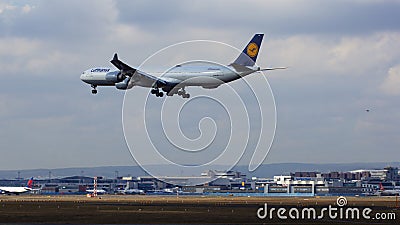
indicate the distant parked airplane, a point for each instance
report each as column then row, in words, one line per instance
column 17, row 190
column 382, row 191
column 132, row 192
column 174, row 81
column 99, row 191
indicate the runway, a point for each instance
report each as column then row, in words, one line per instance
column 134, row 209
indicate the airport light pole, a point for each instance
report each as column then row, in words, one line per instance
column 95, row 187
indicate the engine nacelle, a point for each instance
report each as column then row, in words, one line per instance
column 114, row 76
column 210, row 86
column 123, row 85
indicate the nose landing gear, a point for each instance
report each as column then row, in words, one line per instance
column 94, row 91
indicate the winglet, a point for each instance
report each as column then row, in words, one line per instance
column 125, row 69
column 115, row 61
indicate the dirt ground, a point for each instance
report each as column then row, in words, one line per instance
column 134, row 209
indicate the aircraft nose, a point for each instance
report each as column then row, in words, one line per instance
column 83, row 76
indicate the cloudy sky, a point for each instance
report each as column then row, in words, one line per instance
column 343, row 58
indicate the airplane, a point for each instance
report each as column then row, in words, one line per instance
column 175, row 80
column 99, row 191
column 132, row 192
column 17, row 190
column 383, row 192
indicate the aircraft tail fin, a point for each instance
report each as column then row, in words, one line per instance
column 249, row 54
column 30, row 183
column 381, row 187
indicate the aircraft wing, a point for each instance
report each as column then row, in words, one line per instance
column 141, row 78
column 125, row 69
column 146, row 78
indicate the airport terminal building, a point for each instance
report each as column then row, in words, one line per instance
column 351, row 183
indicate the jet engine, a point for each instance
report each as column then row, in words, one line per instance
column 123, row 85
column 115, row 76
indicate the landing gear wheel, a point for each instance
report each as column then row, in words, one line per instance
column 186, row 95
column 94, row 91
column 157, row 92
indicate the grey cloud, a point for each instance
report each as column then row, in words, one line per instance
column 273, row 17
column 49, row 118
column 68, row 21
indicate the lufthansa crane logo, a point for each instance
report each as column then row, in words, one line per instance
column 252, row 49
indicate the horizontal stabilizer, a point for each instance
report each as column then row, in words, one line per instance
column 240, row 68
column 275, row 68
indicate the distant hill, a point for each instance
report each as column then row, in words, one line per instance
column 266, row 170
column 106, row 171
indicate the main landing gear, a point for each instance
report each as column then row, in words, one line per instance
column 157, row 92
column 183, row 93
column 94, row 91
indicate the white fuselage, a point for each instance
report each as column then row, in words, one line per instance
column 14, row 190
column 193, row 73
column 205, row 76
